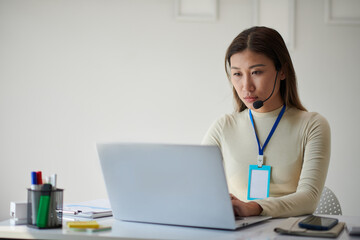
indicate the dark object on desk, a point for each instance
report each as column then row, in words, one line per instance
column 290, row 226
column 353, row 230
column 318, row 223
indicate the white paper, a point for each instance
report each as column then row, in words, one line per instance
column 259, row 183
column 92, row 209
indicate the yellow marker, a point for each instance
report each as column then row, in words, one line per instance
column 83, row 224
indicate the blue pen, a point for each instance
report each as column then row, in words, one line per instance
column 33, row 178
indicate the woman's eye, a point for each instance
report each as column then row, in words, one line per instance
column 236, row 74
column 256, row 72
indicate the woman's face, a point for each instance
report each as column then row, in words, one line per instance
column 253, row 77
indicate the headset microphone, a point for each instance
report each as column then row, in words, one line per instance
column 258, row 104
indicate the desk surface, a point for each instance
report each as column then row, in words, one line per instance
column 129, row 230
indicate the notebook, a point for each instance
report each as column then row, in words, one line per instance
column 90, row 209
column 181, row 185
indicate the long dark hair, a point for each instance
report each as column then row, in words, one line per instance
column 268, row 42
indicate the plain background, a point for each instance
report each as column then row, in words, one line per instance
column 77, row 72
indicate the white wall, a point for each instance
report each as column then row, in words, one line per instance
column 73, row 73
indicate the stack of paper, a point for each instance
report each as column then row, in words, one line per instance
column 90, row 209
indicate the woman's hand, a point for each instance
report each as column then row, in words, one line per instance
column 245, row 209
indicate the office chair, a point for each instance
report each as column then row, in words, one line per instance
column 329, row 204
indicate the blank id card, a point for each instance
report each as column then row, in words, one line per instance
column 259, row 182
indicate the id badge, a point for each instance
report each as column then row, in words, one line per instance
column 259, row 182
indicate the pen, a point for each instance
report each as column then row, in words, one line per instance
column 53, row 180
column 35, row 196
column 53, row 201
column 52, row 209
column 72, row 212
column 47, row 180
column 33, row 178
column 39, row 177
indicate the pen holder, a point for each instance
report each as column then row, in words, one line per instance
column 45, row 208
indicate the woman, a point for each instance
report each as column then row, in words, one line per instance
column 261, row 72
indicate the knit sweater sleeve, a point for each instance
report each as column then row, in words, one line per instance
column 214, row 135
column 315, row 164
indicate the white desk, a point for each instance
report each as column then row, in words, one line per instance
column 128, row 230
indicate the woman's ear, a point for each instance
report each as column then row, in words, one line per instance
column 282, row 75
column 282, row 72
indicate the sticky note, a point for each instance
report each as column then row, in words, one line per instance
column 83, row 224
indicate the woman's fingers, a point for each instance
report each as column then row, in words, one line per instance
column 244, row 209
column 232, row 197
column 238, row 207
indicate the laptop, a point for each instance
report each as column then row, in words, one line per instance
column 182, row 185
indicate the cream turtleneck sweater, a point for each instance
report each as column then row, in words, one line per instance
column 298, row 153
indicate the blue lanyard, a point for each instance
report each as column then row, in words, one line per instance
column 261, row 149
